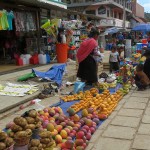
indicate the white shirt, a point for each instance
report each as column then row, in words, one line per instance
column 114, row 57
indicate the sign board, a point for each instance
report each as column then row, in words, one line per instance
column 101, row 10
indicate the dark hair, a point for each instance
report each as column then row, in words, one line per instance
column 114, row 47
column 93, row 32
column 146, row 54
column 139, row 67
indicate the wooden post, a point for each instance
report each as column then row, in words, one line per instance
column 38, row 30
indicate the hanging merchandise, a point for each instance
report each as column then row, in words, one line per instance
column 24, row 21
column 51, row 27
column 10, row 17
column 3, row 20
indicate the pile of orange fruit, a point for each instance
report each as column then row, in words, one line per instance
column 103, row 103
column 80, row 95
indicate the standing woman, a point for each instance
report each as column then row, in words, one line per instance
column 87, row 70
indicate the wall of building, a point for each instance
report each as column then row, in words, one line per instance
column 137, row 9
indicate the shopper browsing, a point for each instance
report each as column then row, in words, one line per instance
column 114, row 59
column 141, row 79
column 147, row 64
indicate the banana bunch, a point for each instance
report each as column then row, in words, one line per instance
column 113, row 84
column 103, row 86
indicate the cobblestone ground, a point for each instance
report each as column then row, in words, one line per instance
column 128, row 127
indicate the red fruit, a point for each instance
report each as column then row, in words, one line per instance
column 80, row 135
column 69, row 138
column 84, row 130
column 72, row 135
column 73, row 131
column 92, row 130
column 21, row 107
column 32, row 102
column 86, row 127
column 69, row 144
column 84, row 145
column 82, row 122
column 79, row 142
column 75, row 128
column 62, row 145
column 95, row 122
column 102, row 116
column 88, row 136
column 79, row 148
column 67, row 130
column 63, row 124
column 70, row 123
column 61, row 118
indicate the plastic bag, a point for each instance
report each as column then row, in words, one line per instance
column 78, row 86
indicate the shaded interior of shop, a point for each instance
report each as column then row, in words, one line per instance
column 25, row 36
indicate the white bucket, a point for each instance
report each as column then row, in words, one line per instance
column 42, row 59
column 24, row 61
column 27, row 56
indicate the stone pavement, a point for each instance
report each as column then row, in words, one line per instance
column 128, row 127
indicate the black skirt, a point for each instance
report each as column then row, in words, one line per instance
column 87, row 70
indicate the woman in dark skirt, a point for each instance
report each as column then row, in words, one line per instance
column 87, row 70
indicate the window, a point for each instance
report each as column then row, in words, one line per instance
column 108, row 13
column 115, row 15
column 120, row 16
column 92, row 12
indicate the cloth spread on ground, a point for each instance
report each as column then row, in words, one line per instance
column 11, row 89
column 55, row 73
column 86, row 47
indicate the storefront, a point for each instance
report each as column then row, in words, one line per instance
column 21, row 33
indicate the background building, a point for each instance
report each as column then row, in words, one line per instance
column 111, row 10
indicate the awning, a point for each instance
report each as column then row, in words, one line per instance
column 56, row 3
column 138, row 19
column 44, row 4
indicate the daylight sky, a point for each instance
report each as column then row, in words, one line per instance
column 145, row 4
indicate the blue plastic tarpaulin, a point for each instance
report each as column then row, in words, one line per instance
column 55, row 73
column 112, row 30
column 142, row 27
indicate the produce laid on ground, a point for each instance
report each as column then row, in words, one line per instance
column 6, row 142
column 67, row 129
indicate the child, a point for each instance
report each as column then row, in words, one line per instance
column 141, row 79
column 114, row 59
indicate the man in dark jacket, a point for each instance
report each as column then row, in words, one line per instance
column 147, row 64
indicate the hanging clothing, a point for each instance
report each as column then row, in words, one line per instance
column 10, row 17
column 0, row 20
column 4, row 20
column 30, row 24
column 20, row 21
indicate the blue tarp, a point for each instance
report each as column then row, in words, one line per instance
column 112, row 30
column 142, row 27
column 55, row 73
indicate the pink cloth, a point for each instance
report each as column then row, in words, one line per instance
column 86, row 47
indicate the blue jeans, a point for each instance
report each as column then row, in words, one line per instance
column 109, row 46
